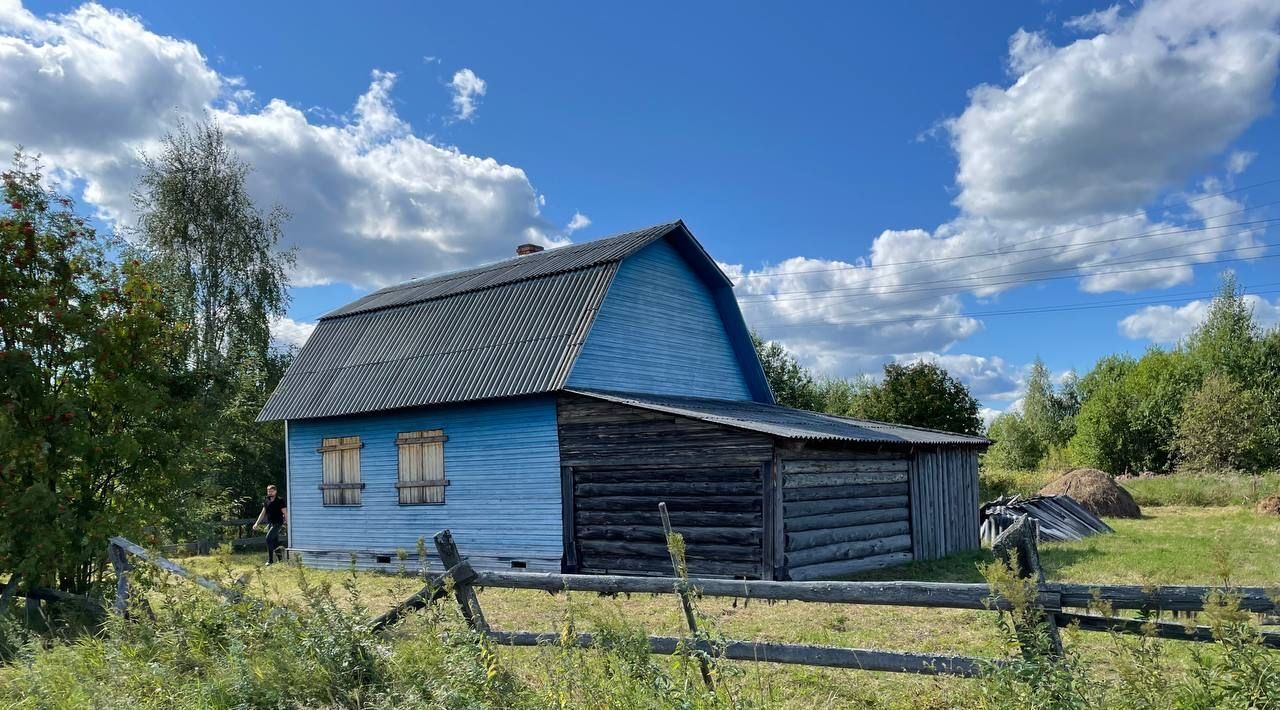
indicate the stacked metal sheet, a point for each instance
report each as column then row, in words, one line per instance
column 1060, row 517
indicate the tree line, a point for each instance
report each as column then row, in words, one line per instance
column 133, row 365
column 1210, row 403
column 920, row 394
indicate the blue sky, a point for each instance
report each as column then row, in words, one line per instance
column 414, row 139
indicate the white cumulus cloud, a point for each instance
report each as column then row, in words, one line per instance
column 467, row 89
column 1167, row 325
column 1072, row 171
column 578, row 221
column 289, row 332
column 372, row 203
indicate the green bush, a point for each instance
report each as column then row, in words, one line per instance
column 1017, row 445
column 184, row 650
column 1237, row 671
column 1221, row 427
column 994, row 482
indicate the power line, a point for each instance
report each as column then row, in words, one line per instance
column 962, row 283
column 1049, row 278
column 771, row 296
column 1056, row 308
column 997, row 252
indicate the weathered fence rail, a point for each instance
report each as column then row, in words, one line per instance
column 1054, row 600
column 118, row 551
column 242, row 539
column 1057, row 603
column 941, row 595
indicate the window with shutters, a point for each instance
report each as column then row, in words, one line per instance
column 341, row 462
column 421, row 480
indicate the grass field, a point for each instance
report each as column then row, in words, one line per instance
column 1170, row 545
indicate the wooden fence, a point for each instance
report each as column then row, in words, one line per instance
column 1060, row 604
column 241, row 538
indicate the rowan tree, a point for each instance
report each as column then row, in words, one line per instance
column 91, row 400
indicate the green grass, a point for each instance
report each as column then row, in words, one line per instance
column 1203, row 489
column 1170, row 545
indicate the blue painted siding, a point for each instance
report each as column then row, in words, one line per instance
column 659, row 331
column 502, row 461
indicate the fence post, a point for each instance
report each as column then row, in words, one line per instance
column 121, row 563
column 1017, row 545
column 682, row 588
column 468, row 602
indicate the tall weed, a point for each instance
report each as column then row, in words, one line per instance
column 1236, row 671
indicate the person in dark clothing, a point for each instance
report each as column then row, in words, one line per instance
column 275, row 514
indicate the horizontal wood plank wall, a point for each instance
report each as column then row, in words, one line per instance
column 659, row 330
column 502, row 503
column 944, row 501
column 624, row 461
column 844, row 511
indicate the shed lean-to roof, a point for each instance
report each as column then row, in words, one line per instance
column 506, row 329
column 786, row 423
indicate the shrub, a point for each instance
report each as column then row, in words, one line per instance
column 1236, row 672
column 184, row 650
column 1220, row 427
column 995, row 482
column 1017, row 445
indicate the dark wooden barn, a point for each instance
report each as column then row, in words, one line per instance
column 541, row 407
column 757, row 490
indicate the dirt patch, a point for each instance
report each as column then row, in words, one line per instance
column 1269, row 506
column 1096, row 491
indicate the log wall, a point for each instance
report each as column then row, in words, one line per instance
column 844, row 512
column 944, row 501
column 619, row 462
column 749, row 505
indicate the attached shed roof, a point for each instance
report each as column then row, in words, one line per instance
column 787, row 423
column 506, row 329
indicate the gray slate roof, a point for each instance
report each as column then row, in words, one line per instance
column 785, row 422
column 505, row 329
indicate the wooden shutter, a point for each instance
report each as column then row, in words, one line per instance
column 341, row 463
column 421, row 480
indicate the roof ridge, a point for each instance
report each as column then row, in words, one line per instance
column 651, row 234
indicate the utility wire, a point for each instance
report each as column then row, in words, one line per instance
column 970, row 283
column 1072, row 276
column 997, row 252
column 1056, row 308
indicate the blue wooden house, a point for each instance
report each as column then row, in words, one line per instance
column 541, row 407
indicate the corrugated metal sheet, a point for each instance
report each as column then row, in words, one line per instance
column 521, row 268
column 785, row 422
column 500, row 330
column 476, row 344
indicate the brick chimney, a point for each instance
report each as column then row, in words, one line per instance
column 527, row 249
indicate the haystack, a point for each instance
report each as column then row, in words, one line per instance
column 1096, row 492
column 1269, row 505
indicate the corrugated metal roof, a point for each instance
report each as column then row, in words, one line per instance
column 785, row 422
column 505, row 329
column 521, row 268
column 497, row 342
